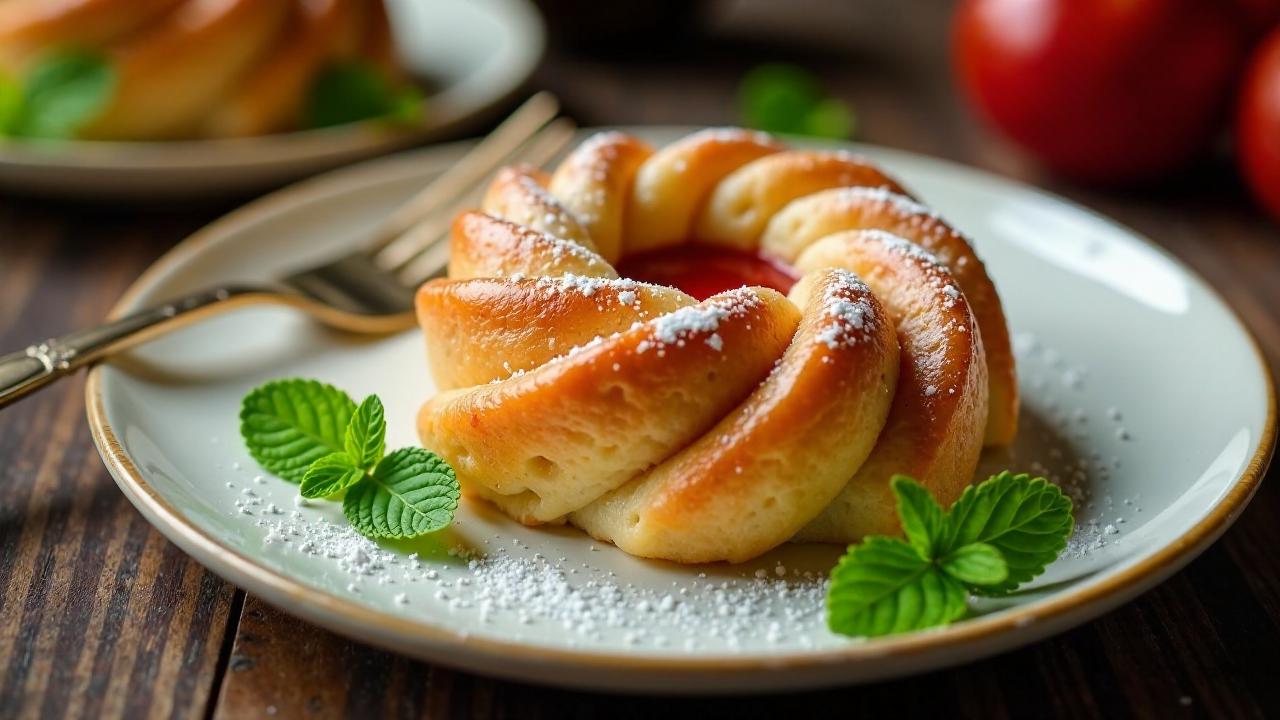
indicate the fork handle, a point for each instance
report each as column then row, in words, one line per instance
column 28, row 370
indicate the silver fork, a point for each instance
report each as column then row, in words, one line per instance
column 370, row 290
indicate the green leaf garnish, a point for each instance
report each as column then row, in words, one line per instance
column 309, row 432
column 289, row 424
column 785, row 98
column 977, row 564
column 330, row 475
column 353, row 91
column 62, row 93
column 998, row 535
column 831, row 118
column 921, row 516
column 366, row 437
column 884, row 586
column 410, row 493
column 10, row 104
column 1027, row 520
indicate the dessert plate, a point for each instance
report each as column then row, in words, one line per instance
column 1143, row 396
column 472, row 54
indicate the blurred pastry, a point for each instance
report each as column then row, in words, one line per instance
column 202, row 68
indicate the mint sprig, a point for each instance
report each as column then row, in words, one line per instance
column 62, row 92
column 289, row 424
column 884, row 586
column 411, row 492
column 313, row 433
column 352, row 91
column 1028, row 520
column 366, row 438
column 784, row 98
column 998, row 535
column 330, row 475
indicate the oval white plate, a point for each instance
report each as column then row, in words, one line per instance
column 1143, row 395
column 475, row 53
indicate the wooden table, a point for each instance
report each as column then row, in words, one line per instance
column 100, row 616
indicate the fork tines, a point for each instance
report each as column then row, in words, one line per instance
column 411, row 244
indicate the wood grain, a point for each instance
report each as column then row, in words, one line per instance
column 99, row 616
column 102, row 617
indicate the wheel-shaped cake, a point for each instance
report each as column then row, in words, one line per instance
column 716, row 427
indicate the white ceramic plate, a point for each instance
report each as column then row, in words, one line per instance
column 1144, row 396
column 475, row 54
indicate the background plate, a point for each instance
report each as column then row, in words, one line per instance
column 474, row 54
column 1143, row 396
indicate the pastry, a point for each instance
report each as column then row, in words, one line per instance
column 200, row 68
column 698, row 429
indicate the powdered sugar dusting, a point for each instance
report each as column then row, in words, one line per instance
column 940, row 276
column 542, row 211
column 587, row 286
column 734, row 135
column 1056, row 395
column 508, row 588
column 900, row 245
column 675, row 328
column 847, row 309
column 554, row 245
column 860, row 193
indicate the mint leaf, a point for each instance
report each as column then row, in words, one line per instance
column 778, row 97
column 922, row 519
column 10, row 104
column 289, row 424
column 411, row 492
column 63, row 92
column 998, row 535
column 352, row 91
column 830, row 118
column 330, row 475
column 1027, row 520
column 978, row 565
column 883, row 586
column 366, row 438
column 785, row 98
column 407, row 107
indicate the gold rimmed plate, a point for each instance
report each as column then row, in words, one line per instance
column 1143, row 395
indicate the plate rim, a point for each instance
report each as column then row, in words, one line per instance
column 1038, row 619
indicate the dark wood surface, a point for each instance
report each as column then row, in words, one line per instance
column 100, row 616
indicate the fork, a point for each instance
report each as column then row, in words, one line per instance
column 369, row 290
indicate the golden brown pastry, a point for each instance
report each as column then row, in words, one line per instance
column 29, row 28
column 716, row 430
column 176, row 70
column 316, row 33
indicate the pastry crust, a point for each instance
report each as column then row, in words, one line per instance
column 741, row 205
column 485, row 246
column 546, row 442
column 519, row 195
column 672, row 185
column 483, row 330
column 29, row 28
column 765, row 469
column 178, row 69
column 935, row 428
column 594, row 183
column 680, row 432
column 810, row 218
column 317, row 33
